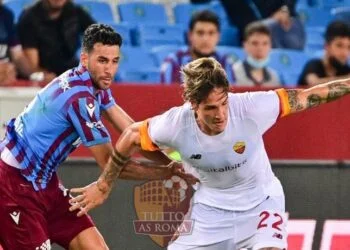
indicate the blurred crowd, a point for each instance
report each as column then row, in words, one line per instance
column 254, row 40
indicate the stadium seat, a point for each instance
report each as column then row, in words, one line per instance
column 184, row 11
column 149, row 76
column 17, row 6
column 217, row 7
column 125, row 30
column 100, row 11
column 229, row 36
column 328, row 4
column 315, row 17
column 135, row 59
column 290, row 79
column 288, row 63
column 235, row 53
column 308, row 3
column 159, row 53
column 150, row 35
column 314, row 38
column 142, row 12
column 342, row 13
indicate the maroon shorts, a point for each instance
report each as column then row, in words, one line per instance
column 34, row 219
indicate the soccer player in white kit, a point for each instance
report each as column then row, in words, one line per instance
column 239, row 202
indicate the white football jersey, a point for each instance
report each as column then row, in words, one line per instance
column 233, row 167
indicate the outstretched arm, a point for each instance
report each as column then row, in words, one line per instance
column 302, row 99
column 119, row 165
column 120, row 121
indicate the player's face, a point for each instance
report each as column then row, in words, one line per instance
column 204, row 37
column 258, row 46
column 102, row 64
column 212, row 112
column 339, row 48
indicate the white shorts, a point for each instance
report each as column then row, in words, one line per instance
column 217, row 229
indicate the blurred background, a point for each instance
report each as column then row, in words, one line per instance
column 307, row 42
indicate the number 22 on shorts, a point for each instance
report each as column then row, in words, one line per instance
column 264, row 215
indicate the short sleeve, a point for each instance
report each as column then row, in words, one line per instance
column 262, row 107
column 160, row 131
column 107, row 100
column 84, row 115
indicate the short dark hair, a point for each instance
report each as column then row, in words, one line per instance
column 337, row 29
column 255, row 27
column 204, row 16
column 100, row 33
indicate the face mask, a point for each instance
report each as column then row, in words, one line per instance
column 341, row 68
column 258, row 64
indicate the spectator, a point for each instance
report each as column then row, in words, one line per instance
column 203, row 37
column 253, row 71
column 243, row 12
column 50, row 32
column 12, row 60
column 286, row 31
column 334, row 63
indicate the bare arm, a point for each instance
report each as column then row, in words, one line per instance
column 21, row 61
column 101, row 153
column 127, row 144
column 312, row 79
column 118, row 118
column 302, row 99
column 120, row 166
column 120, row 121
column 32, row 54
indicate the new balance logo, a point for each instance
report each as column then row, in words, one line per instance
column 15, row 216
column 196, row 156
column 278, row 236
column 45, row 246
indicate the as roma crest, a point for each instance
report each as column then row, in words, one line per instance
column 161, row 207
column 239, row 147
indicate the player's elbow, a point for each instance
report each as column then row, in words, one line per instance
column 129, row 139
column 135, row 133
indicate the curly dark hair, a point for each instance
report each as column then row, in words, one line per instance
column 100, row 33
column 337, row 29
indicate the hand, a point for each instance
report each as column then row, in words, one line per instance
column 177, row 169
column 7, row 73
column 88, row 198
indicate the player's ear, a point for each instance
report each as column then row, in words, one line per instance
column 194, row 106
column 84, row 58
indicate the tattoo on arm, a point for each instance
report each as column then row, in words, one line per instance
column 114, row 168
column 313, row 100
column 336, row 90
column 294, row 101
column 304, row 99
